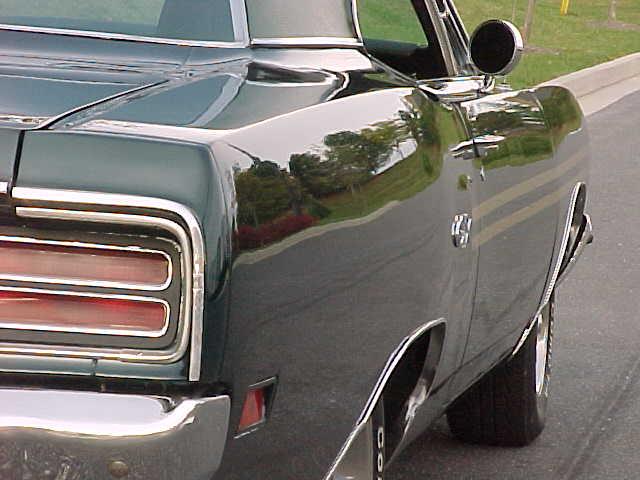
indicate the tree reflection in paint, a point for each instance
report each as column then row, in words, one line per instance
column 351, row 174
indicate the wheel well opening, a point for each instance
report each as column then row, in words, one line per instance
column 409, row 384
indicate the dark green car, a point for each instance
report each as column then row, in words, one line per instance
column 268, row 240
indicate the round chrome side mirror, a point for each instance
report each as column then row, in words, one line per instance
column 496, row 47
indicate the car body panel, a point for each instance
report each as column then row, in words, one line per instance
column 515, row 213
column 325, row 185
column 314, row 290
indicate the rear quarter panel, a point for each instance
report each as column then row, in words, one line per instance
column 322, row 309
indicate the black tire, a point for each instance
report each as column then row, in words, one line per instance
column 507, row 407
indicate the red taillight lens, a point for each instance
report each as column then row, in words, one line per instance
column 253, row 410
column 33, row 310
column 109, row 266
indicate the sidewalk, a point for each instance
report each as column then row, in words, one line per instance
column 602, row 85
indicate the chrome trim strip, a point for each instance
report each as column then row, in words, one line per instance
column 49, row 122
column 563, row 247
column 91, row 331
column 307, row 42
column 88, row 283
column 445, row 44
column 122, row 36
column 240, row 21
column 585, row 239
column 556, row 269
column 392, row 362
column 454, row 10
column 193, row 274
column 356, row 20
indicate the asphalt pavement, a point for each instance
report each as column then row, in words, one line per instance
column 593, row 427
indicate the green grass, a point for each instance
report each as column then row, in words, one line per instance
column 558, row 45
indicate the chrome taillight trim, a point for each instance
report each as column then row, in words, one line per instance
column 192, row 245
column 89, row 331
column 88, row 283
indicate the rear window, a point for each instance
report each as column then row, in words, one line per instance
column 300, row 18
column 196, row 20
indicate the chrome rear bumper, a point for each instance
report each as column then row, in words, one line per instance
column 84, row 436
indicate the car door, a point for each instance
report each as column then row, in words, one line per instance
column 514, row 216
column 429, row 59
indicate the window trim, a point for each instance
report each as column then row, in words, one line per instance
column 443, row 39
column 462, row 29
column 310, row 41
column 238, row 17
column 431, row 26
column 462, row 37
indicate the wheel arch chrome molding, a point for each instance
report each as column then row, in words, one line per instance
column 552, row 281
column 389, row 368
column 191, row 239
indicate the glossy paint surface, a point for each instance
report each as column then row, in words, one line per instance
column 515, row 213
column 346, row 290
column 326, row 186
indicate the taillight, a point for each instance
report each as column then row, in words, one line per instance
column 59, row 263
column 26, row 309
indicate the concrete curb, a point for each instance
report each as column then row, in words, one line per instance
column 602, row 85
column 589, row 80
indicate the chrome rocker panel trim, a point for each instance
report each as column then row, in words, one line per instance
column 557, row 275
column 192, row 243
column 134, row 431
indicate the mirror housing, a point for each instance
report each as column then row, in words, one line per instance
column 496, row 47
